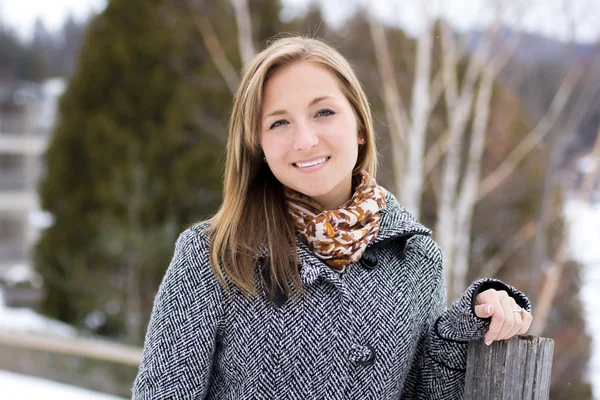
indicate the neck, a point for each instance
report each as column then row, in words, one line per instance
column 331, row 202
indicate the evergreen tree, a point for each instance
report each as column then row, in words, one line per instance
column 19, row 61
column 129, row 166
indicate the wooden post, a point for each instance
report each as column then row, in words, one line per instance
column 514, row 369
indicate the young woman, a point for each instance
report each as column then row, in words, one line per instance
column 311, row 281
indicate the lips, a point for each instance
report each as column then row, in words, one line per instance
column 311, row 163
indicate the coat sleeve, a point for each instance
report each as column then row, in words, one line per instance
column 439, row 366
column 181, row 337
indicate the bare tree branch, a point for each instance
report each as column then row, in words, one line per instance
column 394, row 107
column 211, row 126
column 585, row 100
column 436, row 152
column 552, row 278
column 467, row 195
column 510, row 246
column 514, row 242
column 437, row 83
column 213, row 45
column 533, row 138
column 449, row 65
column 591, row 177
column 244, row 24
column 554, row 273
column 420, row 111
column 458, row 116
column 563, row 361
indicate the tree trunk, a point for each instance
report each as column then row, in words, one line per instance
column 420, row 111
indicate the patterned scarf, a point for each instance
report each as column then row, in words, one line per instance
column 339, row 237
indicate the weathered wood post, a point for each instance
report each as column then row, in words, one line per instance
column 514, row 369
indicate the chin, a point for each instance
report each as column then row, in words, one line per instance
column 312, row 191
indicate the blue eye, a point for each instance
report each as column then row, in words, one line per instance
column 276, row 123
column 326, row 111
column 321, row 113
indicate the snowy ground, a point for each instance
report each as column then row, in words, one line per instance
column 26, row 320
column 22, row 387
column 585, row 248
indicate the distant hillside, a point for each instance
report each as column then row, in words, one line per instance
column 534, row 48
column 535, row 73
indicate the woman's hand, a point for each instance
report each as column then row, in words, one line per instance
column 508, row 318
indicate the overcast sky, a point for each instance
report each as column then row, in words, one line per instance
column 22, row 14
column 542, row 16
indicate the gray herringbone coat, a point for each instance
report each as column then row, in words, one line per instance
column 380, row 330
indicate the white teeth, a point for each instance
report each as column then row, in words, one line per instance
column 311, row 163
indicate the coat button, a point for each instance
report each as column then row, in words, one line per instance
column 370, row 359
column 369, row 259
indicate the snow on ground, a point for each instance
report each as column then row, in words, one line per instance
column 26, row 320
column 23, row 387
column 585, row 248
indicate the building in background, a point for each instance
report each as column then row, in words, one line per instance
column 27, row 114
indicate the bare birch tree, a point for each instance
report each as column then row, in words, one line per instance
column 459, row 191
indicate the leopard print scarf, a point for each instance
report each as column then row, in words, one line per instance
column 340, row 236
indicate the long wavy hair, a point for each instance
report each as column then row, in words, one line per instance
column 253, row 217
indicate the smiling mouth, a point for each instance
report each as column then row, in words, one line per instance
column 311, row 163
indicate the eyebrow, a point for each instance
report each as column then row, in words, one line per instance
column 313, row 102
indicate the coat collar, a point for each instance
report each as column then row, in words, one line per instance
column 395, row 221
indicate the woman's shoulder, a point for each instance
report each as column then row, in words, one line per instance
column 191, row 258
column 195, row 236
column 397, row 221
column 426, row 247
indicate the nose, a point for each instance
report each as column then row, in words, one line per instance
column 305, row 138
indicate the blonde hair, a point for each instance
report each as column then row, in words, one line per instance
column 254, row 214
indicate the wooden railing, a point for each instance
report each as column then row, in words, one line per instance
column 114, row 352
column 516, row 369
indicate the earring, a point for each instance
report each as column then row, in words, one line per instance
column 362, row 140
column 264, row 159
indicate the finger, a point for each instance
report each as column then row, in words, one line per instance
column 509, row 317
column 518, row 324
column 484, row 310
column 496, row 322
column 518, row 317
column 527, row 320
column 486, row 297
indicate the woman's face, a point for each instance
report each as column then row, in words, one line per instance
column 309, row 133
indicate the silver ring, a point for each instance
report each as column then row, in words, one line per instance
column 520, row 311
